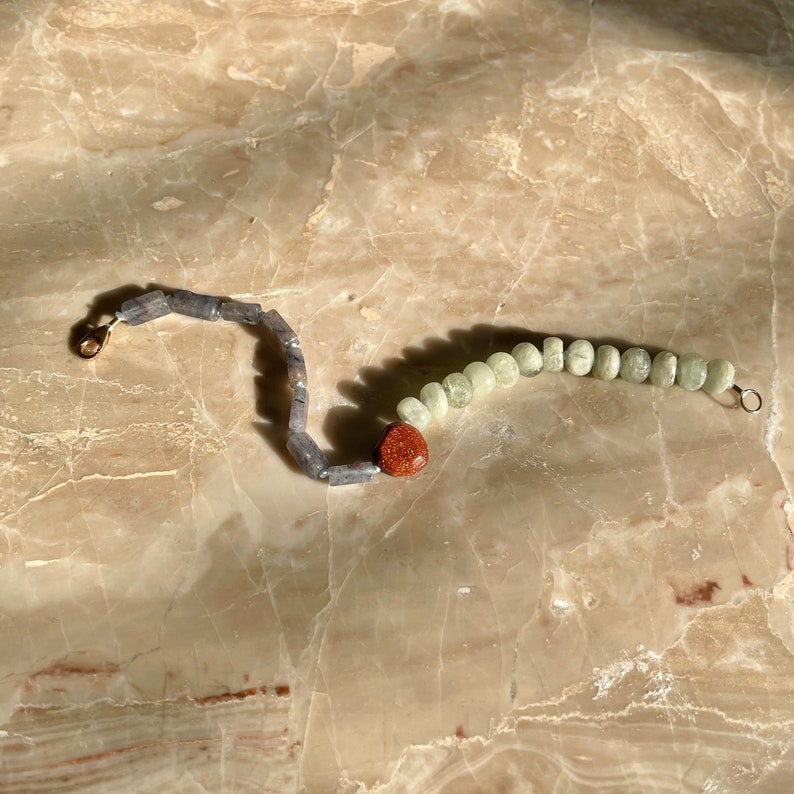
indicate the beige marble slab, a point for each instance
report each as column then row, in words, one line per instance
column 589, row 587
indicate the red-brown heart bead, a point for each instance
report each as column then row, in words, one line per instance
column 401, row 451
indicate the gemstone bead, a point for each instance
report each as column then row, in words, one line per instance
column 528, row 358
column 663, row 369
column 552, row 354
column 505, row 369
column 434, row 398
column 307, row 454
column 720, row 376
column 280, row 328
column 236, row 312
column 458, row 389
column 414, row 412
column 401, row 451
column 351, row 473
column 144, row 308
column 191, row 304
column 481, row 376
column 607, row 362
column 692, row 370
column 579, row 357
column 635, row 364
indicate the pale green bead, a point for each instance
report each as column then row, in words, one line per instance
column 635, row 364
column 579, row 357
column 458, row 389
column 528, row 358
column 413, row 412
column 607, row 362
column 434, row 398
column 552, row 354
column 505, row 368
column 692, row 369
column 481, row 376
column 663, row 369
column 720, row 376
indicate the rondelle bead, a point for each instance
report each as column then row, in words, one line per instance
column 505, row 369
column 352, row 473
column 663, row 369
column 435, row 400
column 552, row 354
column 401, row 451
column 528, row 358
column 635, row 364
column 692, row 370
column 296, row 367
column 280, row 328
column 414, row 412
column 235, row 312
column 307, row 455
column 481, row 376
column 299, row 410
column 579, row 357
column 144, row 308
column 720, row 376
column 191, row 304
column 458, row 389
column 606, row 365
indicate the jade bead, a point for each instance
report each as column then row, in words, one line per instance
column 719, row 377
column 663, row 369
column 579, row 357
column 528, row 358
column 607, row 362
column 552, row 354
column 434, row 398
column 481, row 376
column 692, row 370
column 505, row 368
column 413, row 412
column 635, row 364
column 459, row 390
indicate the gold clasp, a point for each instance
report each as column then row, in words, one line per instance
column 92, row 344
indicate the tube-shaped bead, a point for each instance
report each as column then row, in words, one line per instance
column 459, row 389
column 528, row 358
column 663, row 369
column 579, row 357
column 413, row 412
column 607, row 362
column 505, row 369
column 481, row 376
column 307, row 455
column 720, row 376
column 635, row 364
column 235, row 312
column 552, row 354
column 144, row 308
column 435, row 400
column 191, row 304
column 280, row 328
column 296, row 367
column 692, row 370
column 299, row 410
column 352, row 473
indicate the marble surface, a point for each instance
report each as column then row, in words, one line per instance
column 588, row 589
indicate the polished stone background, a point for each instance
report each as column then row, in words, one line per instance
column 588, row 589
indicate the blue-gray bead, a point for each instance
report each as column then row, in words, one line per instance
column 307, row 455
column 352, row 473
column 280, row 328
column 299, row 410
column 296, row 367
column 191, row 304
column 145, row 308
column 235, row 312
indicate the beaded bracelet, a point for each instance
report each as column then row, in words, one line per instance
column 402, row 450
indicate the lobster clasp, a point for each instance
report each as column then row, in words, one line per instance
column 92, row 344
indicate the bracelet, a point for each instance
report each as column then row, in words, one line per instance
column 402, row 449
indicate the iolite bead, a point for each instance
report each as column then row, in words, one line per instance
column 663, row 369
column 607, row 362
column 458, row 389
column 352, row 473
column 236, row 312
column 552, row 354
column 434, row 398
column 528, row 358
column 505, row 369
column 413, row 412
column 481, row 376
column 635, row 364
column 720, row 376
column 144, row 308
column 307, row 454
column 692, row 371
column 579, row 357
column 191, row 304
